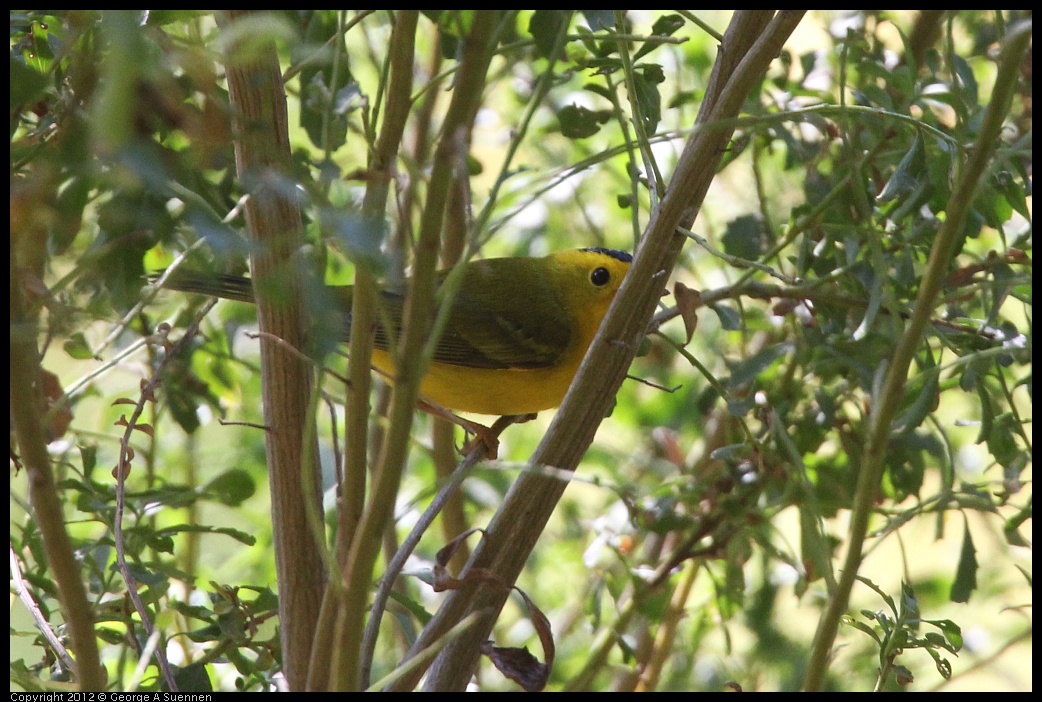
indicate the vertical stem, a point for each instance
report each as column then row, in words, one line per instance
column 363, row 316
column 410, row 361
column 27, row 407
column 273, row 221
column 380, row 170
column 515, row 528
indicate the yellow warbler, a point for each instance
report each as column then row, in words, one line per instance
column 515, row 337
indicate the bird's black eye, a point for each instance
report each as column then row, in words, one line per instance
column 600, row 276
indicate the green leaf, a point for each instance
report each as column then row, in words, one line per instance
column 26, row 86
column 88, row 459
column 1014, row 191
column 160, row 18
column 909, row 602
column 730, row 320
column 909, row 174
column 240, row 536
column 416, row 608
column 545, row 26
column 147, row 576
column 876, row 589
column 862, row 627
column 328, row 93
column 646, row 79
column 77, row 347
column 1010, row 528
column 966, row 572
column 191, row 678
column 986, row 413
column 163, row 544
column 925, row 399
column 905, row 463
column 745, row 237
column 942, row 664
column 952, row 633
column 750, row 368
column 664, row 26
column 579, row 123
column 599, row 19
column 968, row 90
column 1001, row 439
column 231, row 487
column 814, row 549
column 72, row 199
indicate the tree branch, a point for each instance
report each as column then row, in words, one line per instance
column 513, row 531
column 26, row 414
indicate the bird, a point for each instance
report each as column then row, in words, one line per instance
column 518, row 329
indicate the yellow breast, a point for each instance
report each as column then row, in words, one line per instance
column 492, row 391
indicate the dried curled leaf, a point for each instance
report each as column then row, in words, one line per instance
column 688, row 302
column 515, row 663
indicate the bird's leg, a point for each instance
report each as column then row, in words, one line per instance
column 486, row 436
column 436, row 410
column 489, row 436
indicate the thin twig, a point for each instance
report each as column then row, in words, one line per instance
column 122, row 470
column 478, row 452
column 34, row 609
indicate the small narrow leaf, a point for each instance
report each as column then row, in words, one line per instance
column 966, row 572
column 646, row 92
column 664, row 26
column 750, row 368
column 78, row 348
column 906, row 178
column 599, row 19
column 730, row 320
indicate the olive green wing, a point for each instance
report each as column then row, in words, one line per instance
column 505, row 316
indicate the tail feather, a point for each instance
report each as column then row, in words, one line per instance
column 229, row 287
